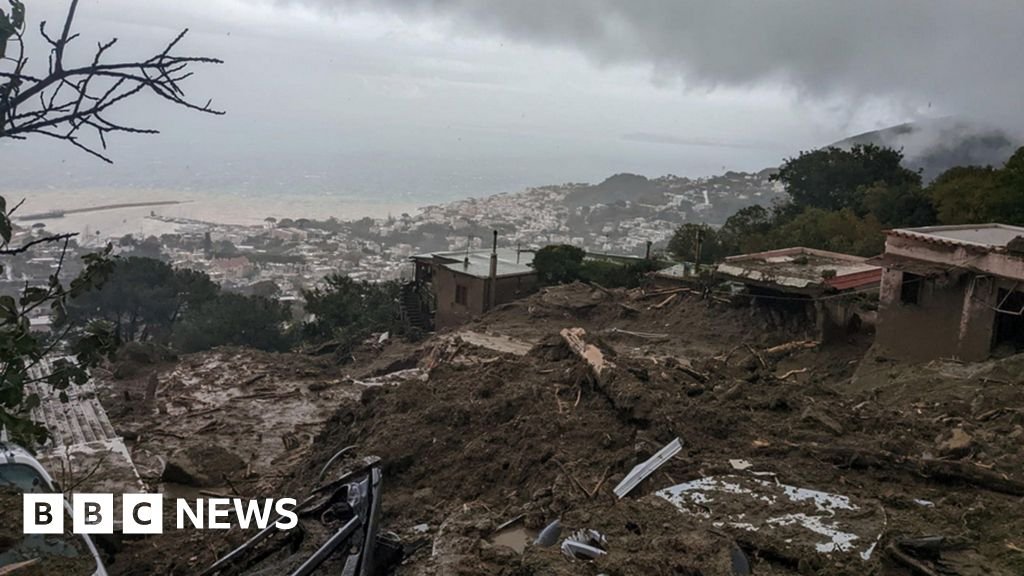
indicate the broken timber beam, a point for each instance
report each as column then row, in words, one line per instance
column 592, row 355
column 664, row 302
column 643, row 335
column 18, row 567
column 665, row 292
column 788, row 347
column 944, row 470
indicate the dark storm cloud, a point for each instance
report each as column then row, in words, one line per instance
column 962, row 57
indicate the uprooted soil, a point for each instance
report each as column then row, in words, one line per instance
column 488, row 436
column 42, row 554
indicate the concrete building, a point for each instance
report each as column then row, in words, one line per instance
column 806, row 286
column 451, row 288
column 952, row 292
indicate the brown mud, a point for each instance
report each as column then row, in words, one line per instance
column 488, row 436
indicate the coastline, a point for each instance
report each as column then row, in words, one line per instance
column 83, row 216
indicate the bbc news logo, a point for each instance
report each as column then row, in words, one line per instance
column 144, row 513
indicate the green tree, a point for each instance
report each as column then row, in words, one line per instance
column 224, row 249
column 833, row 178
column 617, row 274
column 143, row 298
column 234, row 320
column 683, row 244
column 898, row 206
column 149, row 248
column 346, row 311
column 1008, row 206
column 265, row 288
column 558, row 264
column 966, row 194
column 838, row 231
column 746, row 230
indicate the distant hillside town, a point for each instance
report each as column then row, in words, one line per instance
column 283, row 256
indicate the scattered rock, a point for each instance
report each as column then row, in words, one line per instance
column 813, row 415
column 201, row 466
column 957, row 443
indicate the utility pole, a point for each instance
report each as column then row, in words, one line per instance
column 697, row 246
column 492, row 287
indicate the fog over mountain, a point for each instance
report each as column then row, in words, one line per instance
column 935, row 146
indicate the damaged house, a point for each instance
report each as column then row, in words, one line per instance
column 805, row 286
column 952, row 292
column 451, row 288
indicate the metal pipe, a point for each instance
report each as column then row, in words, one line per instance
column 492, row 289
column 325, row 551
column 339, row 454
column 259, row 537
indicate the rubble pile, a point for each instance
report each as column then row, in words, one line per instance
column 794, row 457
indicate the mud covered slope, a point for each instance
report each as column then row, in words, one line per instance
column 796, row 458
column 489, row 437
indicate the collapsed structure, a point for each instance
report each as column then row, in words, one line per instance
column 952, row 291
column 815, row 285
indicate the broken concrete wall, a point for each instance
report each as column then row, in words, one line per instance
column 923, row 330
column 837, row 318
column 953, row 317
column 976, row 258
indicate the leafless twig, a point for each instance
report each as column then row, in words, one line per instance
column 70, row 100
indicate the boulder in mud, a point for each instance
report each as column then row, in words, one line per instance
column 201, row 466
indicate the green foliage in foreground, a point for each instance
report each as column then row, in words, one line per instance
column 23, row 352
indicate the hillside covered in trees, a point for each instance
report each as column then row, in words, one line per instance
column 842, row 199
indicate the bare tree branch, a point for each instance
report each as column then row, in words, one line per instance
column 71, row 102
column 26, row 246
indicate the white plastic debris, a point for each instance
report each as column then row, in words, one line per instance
column 798, row 517
column 549, row 535
column 645, row 469
column 584, row 545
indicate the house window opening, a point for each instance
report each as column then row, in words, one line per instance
column 910, row 288
column 1008, row 333
column 461, row 295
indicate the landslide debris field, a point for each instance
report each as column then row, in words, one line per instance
column 796, row 458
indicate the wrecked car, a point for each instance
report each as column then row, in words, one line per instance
column 37, row 554
column 338, row 532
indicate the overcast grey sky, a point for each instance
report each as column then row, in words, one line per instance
column 479, row 96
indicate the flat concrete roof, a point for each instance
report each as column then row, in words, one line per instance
column 801, row 268
column 478, row 262
column 988, row 235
